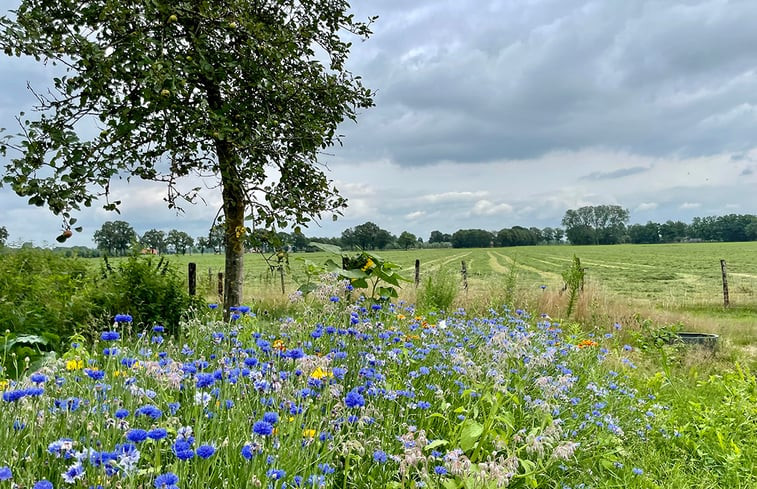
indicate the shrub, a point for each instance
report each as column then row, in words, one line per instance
column 40, row 302
column 438, row 290
column 149, row 290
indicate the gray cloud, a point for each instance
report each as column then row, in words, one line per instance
column 491, row 114
column 512, row 81
column 610, row 175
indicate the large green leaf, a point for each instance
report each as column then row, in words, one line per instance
column 328, row 248
column 470, row 432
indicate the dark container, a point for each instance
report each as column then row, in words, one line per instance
column 707, row 340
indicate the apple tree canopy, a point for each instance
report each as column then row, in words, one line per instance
column 250, row 91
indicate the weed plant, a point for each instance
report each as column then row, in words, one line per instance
column 438, row 290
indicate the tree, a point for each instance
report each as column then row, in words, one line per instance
column 154, row 239
column 407, row 240
column 600, row 224
column 367, row 236
column 648, row 233
column 439, row 237
column 115, row 237
column 472, row 238
column 3, row 236
column 203, row 244
column 248, row 91
column 180, row 241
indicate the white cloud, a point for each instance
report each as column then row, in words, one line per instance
column 647, row 206
column 415, row 215
column 489, row 208
column 690, row 205
column 452, row 197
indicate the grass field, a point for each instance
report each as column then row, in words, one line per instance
column 672, row 283
column 680, row 275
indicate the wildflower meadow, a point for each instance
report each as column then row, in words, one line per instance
column 354, row 393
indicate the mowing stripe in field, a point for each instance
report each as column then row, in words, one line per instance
column 550, row 276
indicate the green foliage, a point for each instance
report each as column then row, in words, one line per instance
column 365, row 271
column 600, row 224
column 574, row 282
column 438, row 290
column 3, row 236
column 147, row 288
column 115, row 237
column 41, row 302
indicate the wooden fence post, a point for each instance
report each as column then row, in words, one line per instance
column 464, row 272
column 726, row 302
column 417, row 272
column 220, row 285
column 281, row 272
column 192, row 278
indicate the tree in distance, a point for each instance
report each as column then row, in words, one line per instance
column 249, row 92
column 407, row 240
column 154, row 239
column 115, row 237
column 180, row 241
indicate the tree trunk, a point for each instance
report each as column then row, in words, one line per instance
column 233, row 210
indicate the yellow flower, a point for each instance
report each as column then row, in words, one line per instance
column 368, row 265
column 308, row 434
column 320, row 373
column 75, row 364
column 400, row 316
column 279, row 345
column 3, row 385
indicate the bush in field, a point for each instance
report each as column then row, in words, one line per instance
column 438, row 290
column 149, row 290
column 40, row 301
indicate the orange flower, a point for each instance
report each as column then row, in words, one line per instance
column 585, row 343
column 279, row 345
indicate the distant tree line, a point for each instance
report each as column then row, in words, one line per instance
column 603, row 224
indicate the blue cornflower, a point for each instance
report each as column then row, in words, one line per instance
column 334, row 298
column 5, row 473
column 94, row 374
column 38, row 378
column 157, row 433
column 43, row 484
column 121, row 413
column 158, row 328
column 271, row 417
column 247, row 452
column 376, row 307
column 637, row 471
column 627, row 348
column 380, row 456
column 150, row 411
column 213, row 306
column 295, row 353
column 110, row 335
column 262, row 428
column 243, row 309
column 326, row 468
column 136, row 435
column 353, row 399
column 275, row 474
column 123, row 318
column 205, row 451
column 440, row 470
column 110, row 352
column 183, row 450
column 166, row 481
column 205, row 380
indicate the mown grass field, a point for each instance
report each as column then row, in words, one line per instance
column 666, row 275
column 670, row 283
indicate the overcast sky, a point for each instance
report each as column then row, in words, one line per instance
column 494, row 113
